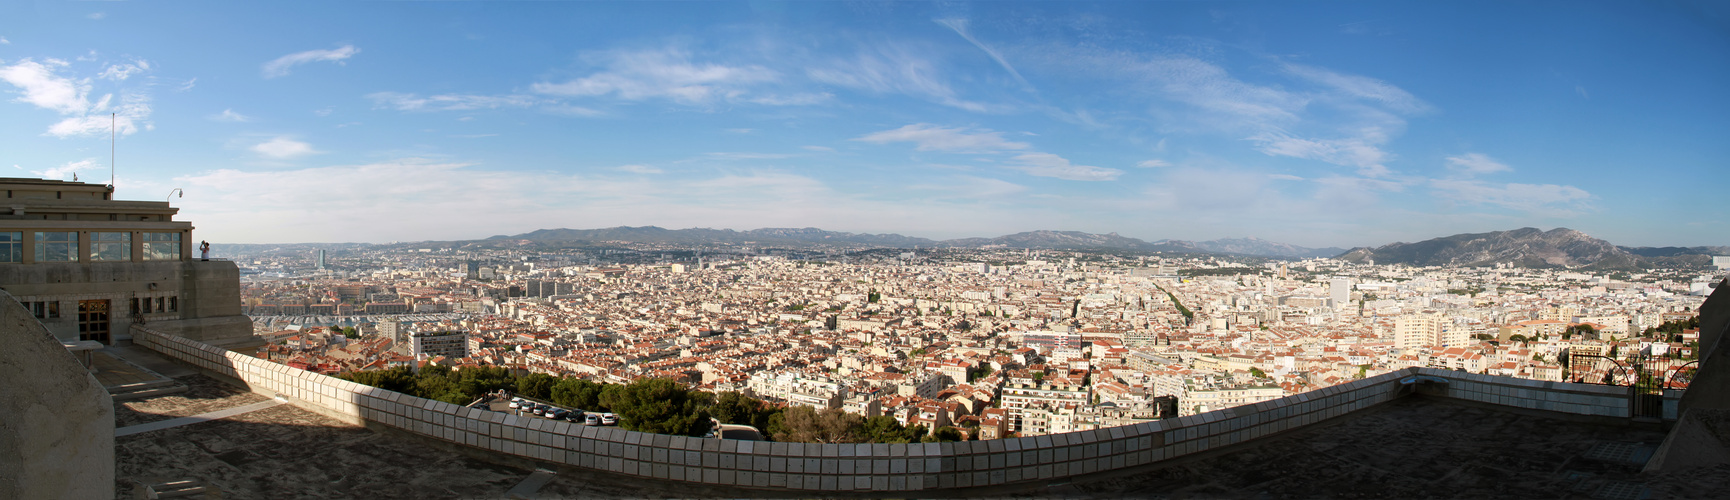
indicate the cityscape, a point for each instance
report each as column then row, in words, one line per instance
column 864, row 250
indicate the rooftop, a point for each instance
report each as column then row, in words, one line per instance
column 1413, row 447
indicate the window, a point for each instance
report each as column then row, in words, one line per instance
column 11, row 246
column 110, row 246
column 161, row 246
column 174, row 304
column 57, row 246
column 44, row 310
column 159, row 304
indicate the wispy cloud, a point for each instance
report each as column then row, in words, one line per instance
column 186, row 86
column 96, row 16
column 1361, row 87
column 123, row 71
column 280, row 66
column 662, row 74
column 1153, row 163
column 1050, row 165
column 450, row 102
column 960, row 27
column 640, row 169
column 41, row 85
column 4, row 41
column 1360, row 152
column 928, row 137
column 893, row 68
column 968, row 186
column 1472, row 164
column 747, row 156
column 283, row 148
column 820, row 149
column 1539, row 199
column 68, row 169
column 228, row 115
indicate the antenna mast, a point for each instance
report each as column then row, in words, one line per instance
column 111, row 127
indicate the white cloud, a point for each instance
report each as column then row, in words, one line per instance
column 1543, row 199
column 283, row 148
column 187, row 86
column 1358, row 152
column 893, row 68
column 1050, row 165
column 664, row 74
column 4, row 41
column 1284, row 177
column 955, row 140
column 66, row 171
column 1362, row 87
column 820, row 149
column 1472, row 164
column 228, row 115
column 1153, row 164
column 640, row 169
column 281, row 66
column 96, row 15
column 449, row 102
column 123, row 71
column 126, row 117
column 42, row 87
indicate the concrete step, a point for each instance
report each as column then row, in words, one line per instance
column 138, row 386
column 173, row 489
column 147, row 393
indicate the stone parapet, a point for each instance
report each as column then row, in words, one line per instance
column 864, row 467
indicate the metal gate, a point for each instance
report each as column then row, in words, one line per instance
column 1645, row 375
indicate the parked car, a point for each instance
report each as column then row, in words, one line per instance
column 516, row 403
column 557, row 413
column 540, row 410
column 592, row 419
column 575, row 417
column 609, row 419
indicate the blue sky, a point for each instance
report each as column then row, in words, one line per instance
column 1313, row 123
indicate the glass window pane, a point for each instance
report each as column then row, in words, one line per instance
column 56, row 246
column 11, row 246
column 111, row 246
column 161, row 246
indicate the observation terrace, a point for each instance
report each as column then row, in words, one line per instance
column 1417, row 432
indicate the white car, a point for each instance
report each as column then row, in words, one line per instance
column 591, row 419
column 516, row 403
column 609, row 419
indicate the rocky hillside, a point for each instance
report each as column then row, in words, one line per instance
column 1525, row 247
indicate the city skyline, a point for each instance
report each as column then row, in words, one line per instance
column 1340, row 124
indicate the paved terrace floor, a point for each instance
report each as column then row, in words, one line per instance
column 1415, row 447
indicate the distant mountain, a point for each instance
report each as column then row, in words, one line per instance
column 699, row 236
column 1524, row 247
column 1036, row 240
column 1676, row 251
column 1051, row 240
column 1256, row 246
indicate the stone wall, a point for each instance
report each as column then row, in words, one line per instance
column 56, row 420
column 874, row 467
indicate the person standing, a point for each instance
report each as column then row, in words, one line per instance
column 204, row 250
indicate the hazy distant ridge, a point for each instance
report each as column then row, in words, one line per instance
column 1531, row 247
column 1037, row 240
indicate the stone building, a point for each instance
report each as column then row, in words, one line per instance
column 88, row 266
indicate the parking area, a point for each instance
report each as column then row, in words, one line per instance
column 527, row 407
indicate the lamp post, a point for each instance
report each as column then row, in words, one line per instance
column 171, row 194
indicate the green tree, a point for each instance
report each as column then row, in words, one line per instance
column 1257, row 373
column 659, row 406
column 945, row 433
column 579, row 393
column 399, row 379
column 802, row 424
column 885, row 429
column 732, row 407
column 537, row 385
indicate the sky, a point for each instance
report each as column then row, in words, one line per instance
column 1312, row 123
